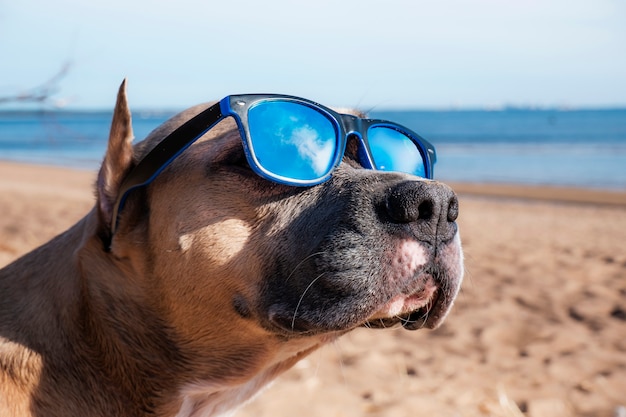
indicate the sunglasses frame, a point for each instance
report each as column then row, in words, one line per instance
column 237, row 106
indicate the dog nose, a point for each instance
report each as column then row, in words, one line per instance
column 429, row 208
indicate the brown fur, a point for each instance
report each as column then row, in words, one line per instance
column 181, row 315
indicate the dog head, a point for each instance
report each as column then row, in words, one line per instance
column 366, row 247
column 221, row 250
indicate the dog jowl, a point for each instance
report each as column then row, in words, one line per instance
column 207, row 268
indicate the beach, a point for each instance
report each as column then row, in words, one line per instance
column 539, row 328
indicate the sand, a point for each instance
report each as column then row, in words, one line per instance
column 539, row 328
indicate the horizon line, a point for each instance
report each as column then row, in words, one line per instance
column 451, row 108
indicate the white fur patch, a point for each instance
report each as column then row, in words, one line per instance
column 185, row 242
column 206, row 399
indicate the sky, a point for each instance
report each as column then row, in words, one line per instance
column 368, row 54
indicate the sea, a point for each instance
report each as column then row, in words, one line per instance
column 558, row 147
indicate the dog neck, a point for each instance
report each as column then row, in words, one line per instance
column 72, row 325
column 213, row 399
column 46, row 285
column 40, row 307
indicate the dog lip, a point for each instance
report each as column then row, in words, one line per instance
column 404, row 303
column 414, row 320
column 429, row 314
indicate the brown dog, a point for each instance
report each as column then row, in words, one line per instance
column 215, row 280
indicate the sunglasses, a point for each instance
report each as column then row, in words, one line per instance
column 292, row 141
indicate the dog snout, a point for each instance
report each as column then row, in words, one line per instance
column 429, row 208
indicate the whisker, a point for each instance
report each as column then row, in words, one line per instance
column 293, row 321
column 340, row 356
column 302, row 262
column 423, row 318
column 382, row 324
column 429, row 307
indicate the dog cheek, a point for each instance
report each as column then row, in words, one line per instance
column 221, row 242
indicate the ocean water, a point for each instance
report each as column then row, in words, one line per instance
column 581, row 148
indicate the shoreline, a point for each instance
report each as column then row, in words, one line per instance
column 17, row 172
column 546, row 193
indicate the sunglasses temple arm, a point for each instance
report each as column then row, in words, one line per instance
column 163, row 154
column 431, row 155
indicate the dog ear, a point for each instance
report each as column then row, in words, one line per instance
column 118, row 159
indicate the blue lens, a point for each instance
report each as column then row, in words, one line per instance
column 394, row 151
column 292, row 140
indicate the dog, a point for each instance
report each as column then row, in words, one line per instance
column 215, row 280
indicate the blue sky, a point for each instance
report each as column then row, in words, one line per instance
column 365, row 53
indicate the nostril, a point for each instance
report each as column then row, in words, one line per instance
column 398, row 212
column 425, row 210
column 453, row 209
